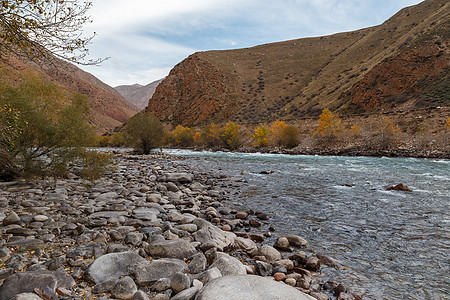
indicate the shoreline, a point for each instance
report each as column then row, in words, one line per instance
column 151, row 211
column 350, row 152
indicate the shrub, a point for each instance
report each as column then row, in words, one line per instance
column 447, row 123
column 144, row 132
column 198, row 139
column 183, row 136
column 261, row 136
column 117, row 139
column 330, row 128
column 104, row 141
column 94, row 164
column 45, row 131
column 276, row 133
column 290, row 136
column 211, row 135
column 386, row 132
column 231, row 136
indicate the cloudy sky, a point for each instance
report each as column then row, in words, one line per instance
column 144, row 39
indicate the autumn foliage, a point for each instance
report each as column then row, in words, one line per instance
column 329, row 129
column 261, row 136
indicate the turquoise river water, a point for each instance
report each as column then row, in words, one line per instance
column 388, row 244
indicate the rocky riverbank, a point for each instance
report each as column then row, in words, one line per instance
column 151, row 230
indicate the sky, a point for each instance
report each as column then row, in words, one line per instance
column 145, row 39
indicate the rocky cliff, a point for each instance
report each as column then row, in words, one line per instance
column 400, row 64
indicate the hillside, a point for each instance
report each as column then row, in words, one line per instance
column 401, row 64
column 138, row 94
column 108, row 109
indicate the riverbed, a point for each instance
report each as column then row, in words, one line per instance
column 388, row 244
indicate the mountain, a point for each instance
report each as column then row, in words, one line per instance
column 401, row 64
column 108, row 109
column 138, row 94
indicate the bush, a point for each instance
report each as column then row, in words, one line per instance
column 183, row 136
column 42, row 131
column 94, row 164
column 231, row 136
column 330, row 128
column 276, row 133
column 211, row 135
column 386, row 132
column 144, row 132
column 261, row 136
column 290, row 136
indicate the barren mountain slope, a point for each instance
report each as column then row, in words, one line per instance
column 400, row 64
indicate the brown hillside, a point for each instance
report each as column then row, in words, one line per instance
column 401, row 64
column 108, row 109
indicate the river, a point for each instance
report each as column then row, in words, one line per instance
column 389, row 244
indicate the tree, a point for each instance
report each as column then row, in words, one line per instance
column 276, row 132
column 290, row 136
column 211, row 135
column 145, row 132
column 40, row 29
column 231, row 136
column 261, row 136
column 184, row 136
column 44, row 133
column 329, row 126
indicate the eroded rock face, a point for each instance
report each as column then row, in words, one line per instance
column 249, row 287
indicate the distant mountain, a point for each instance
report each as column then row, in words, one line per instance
column 108, row 109
column 402, row 64
column 138, row 94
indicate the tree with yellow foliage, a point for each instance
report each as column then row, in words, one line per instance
column 276, row 133
column 330, row 127
column 231, row 136
column 184, row 136
column 261, row 136
column 211, row 135
column 447, row 123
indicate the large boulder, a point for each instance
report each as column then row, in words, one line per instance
column 165, row 268
column 113, row 266
column 270, row 253
column 177, row 248
column 26, row 282
column 249, row 287
column 214, row 237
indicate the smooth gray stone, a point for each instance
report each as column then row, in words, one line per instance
column 114, row 265
column 249, row 287
column 149, row 273
column 177, row 248
column 228, row 265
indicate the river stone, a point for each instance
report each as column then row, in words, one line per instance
column 108, row 214
column 113, row 266
column 179, row 282
column 313, row 263
column 214, row 236
column 282, row 243
column 27, row 296
column 295, row 240
column 247, row 245
column 270, row 253
column 146, row 214
column 187, row 294
column 26, row 282
column 157, row 269
column 228, row 265
column 399, row 187
column 40, row 218
column 177, row 248
column 124, row 289
column 249, row 287
column 208, row 275
column 140, row 295
column 197, row 264
column 11, row 218
column 177, row 177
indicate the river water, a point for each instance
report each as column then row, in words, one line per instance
column 389, row 244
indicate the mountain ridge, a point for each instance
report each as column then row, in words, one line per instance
column 138, row 94
column 298, row 78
